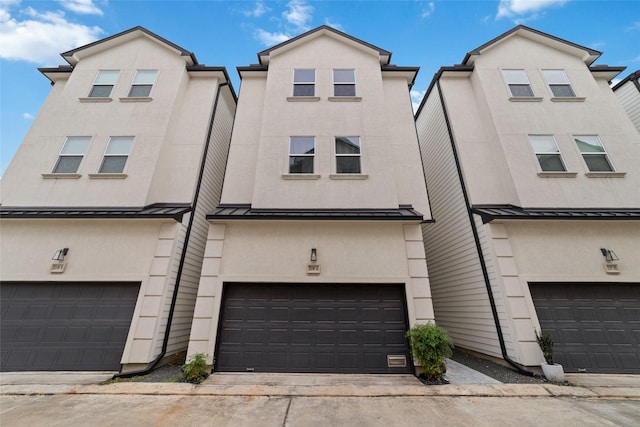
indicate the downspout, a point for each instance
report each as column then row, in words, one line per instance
column 476, row 238
column 183, row 255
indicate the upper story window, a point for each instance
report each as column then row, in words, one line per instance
column 593, row 153
column 301, row 153
column 103, row 84
column 518, row 83
column 142, row 83
column 547, row 152
column 344, row 82
column 348, row 154
column 558, row 83
column 304, row 82
column 71, row 154
column 116, row 154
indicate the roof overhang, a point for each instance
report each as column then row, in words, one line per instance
column 490, row 213
column 54, row 74
column 393, row 71
column 605, row 71
column 633, row 77
column 155, row 211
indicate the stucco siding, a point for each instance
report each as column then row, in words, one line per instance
column 458, row 289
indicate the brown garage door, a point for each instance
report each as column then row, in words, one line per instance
column 65, row 326
column 596, row 327
column 312, row 328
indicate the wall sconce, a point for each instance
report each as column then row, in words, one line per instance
column 60, row 254
column 314, row 255
column 609, row 255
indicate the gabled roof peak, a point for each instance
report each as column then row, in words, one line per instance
column 263, row 57
column 588, row 55
column 74, row 55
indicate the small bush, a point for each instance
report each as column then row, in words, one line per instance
column 546, row 345
column 197, row 370
column 430, row 345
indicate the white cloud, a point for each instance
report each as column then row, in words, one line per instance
column 518, row 8
column 332, row 24
column 298, row 14
column 83, row 7
column 258, row 10
column 270, row 39
column 416, row 98
column 27, row 116
column 427, row 9
column 634, row 26
column 41, row 37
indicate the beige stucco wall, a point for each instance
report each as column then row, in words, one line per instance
column 554, row 251
column 491, row 131
column 170, row 131
column 100, row 251
column 278, row 252
column 382, row 118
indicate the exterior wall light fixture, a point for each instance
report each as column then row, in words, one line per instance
column 314, row 255
column 609, row 255
column 610, row 258
column 60, row 254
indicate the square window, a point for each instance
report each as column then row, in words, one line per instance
column 71, row 154
column 348, row 154
column 344, row 82
column 518, row 83
column 301, row 154
column 142, row 83
column 304, row 82
column 558, row 83
column 593, row 153
column 547, row 152
column 103, row 84
column 116, row 154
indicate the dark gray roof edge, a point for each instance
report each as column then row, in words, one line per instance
column 58, row 69
column 436, row 77
column 183, row 52
column 489, row 213
column 246, row 212
column 155, row 210
column 320, row 28
column 477, row 50
column 635, row 76
column 397, row 68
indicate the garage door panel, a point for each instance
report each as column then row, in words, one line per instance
column 593, row 325
column 324, row 328
column 65, row 326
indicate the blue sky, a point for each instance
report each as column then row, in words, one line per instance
column 424, row 33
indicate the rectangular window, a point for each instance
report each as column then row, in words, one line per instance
column 142, row 83
column 104, row 82
column 344, row 82
column 71, row 154
column 116, row 154
column 301, row 152
column 518, row 83
column 558, row 83
column 547, row 152
column 593, row 153
column 348, row 154
column 304, row 82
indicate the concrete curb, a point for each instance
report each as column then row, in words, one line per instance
column 481, row 390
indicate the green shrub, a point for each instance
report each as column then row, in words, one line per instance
column 197, row 369
column 430, row 345
column 546, row 345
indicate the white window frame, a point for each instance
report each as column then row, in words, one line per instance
column 558, row 78
column 292, row 154
column 135, row 84
column 97, row 82
column 345, row 155
column 107, row 154
column 307, row 83
column 586, row 154
column 509, row 74
column 349, row 83
column 63, row 155
column 549, row 138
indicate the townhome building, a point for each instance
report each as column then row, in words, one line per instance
column 628, row 93
column 314, row 260
column 103, row 209
column 533, row 170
